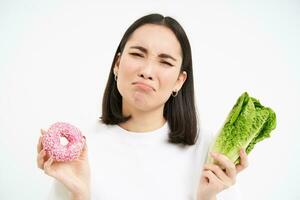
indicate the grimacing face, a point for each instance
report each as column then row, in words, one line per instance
column 148, row 68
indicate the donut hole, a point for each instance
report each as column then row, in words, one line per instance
column 63, row 140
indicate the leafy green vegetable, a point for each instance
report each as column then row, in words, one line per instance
column 248, row 123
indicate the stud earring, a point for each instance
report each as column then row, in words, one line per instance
column 174, row 93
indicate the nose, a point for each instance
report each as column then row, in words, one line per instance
column 146, row 71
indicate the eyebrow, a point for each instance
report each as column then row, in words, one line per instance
column 144, row 50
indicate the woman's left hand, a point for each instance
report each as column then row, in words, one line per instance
column 216, row 178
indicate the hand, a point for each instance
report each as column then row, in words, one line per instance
column 216, row 178
column 75, row 175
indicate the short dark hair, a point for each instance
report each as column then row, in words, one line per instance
column 179, row 111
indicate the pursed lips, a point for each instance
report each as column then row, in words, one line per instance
column 143, row 84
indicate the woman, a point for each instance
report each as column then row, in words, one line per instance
column 149, row 145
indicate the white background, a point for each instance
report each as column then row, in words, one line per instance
column 55, row 58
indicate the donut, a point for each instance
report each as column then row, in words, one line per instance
column 51, row 141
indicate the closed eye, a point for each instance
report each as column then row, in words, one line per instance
column 141, row 55
column 164, row 62
column 136, row 54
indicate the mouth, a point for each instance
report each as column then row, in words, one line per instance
column 143, row 86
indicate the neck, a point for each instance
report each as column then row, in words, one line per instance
column 142, row 121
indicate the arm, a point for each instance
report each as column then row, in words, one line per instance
column 73, row 175
column 216, row 178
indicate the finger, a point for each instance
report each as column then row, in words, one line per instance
column 213, row 179
column 43, row 131
column 227, row 164
column 84, row 149
column 243, row 161
column 220, row 174
column 47, row 166
column 85, row 145
column 39, row 145
column 41, row 159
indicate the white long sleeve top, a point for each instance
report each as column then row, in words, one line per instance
column 128, row 165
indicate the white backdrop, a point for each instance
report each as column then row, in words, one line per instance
column 55, row 58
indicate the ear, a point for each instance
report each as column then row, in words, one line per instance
column 180, row 81
column 117, row 63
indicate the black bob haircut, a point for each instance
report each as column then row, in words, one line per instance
column 179, row 111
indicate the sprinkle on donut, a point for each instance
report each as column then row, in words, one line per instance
column 52, row 141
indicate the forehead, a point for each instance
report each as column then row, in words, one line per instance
column 156, row 38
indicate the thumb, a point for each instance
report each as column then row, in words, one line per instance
column 85, row 148
column 43, row 131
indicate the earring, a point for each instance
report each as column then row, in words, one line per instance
column 174, row 93
column 116, row 77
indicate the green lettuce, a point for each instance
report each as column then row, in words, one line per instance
column 248, row 123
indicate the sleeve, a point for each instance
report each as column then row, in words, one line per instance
column 232, row 193
column 58, row 192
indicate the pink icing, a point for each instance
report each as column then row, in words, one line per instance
column 59, row 152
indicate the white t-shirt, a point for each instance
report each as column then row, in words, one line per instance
column 142, row 166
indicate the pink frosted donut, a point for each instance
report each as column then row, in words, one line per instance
column 52, row 141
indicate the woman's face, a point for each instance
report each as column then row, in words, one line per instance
column 148, row 69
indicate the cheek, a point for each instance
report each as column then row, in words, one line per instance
column 167, row 80
column 126, row 74
column 128, row 66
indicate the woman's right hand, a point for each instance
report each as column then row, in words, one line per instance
column 75, row 175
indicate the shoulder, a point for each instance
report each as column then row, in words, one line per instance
column 202, row 145
column 96, row 129
column 204, row 138
column 98, row 135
